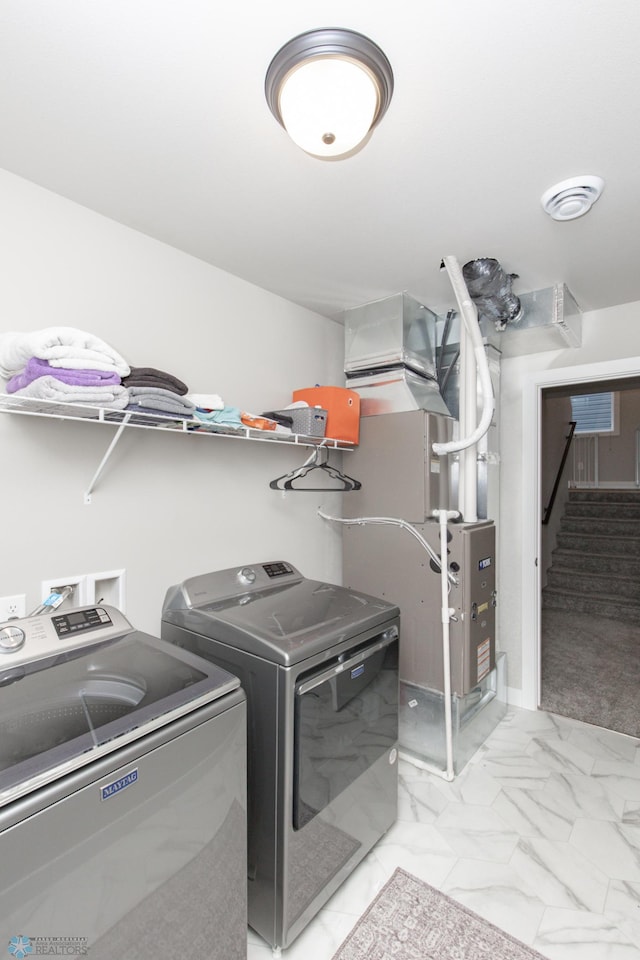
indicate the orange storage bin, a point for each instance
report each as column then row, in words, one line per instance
column 342, row 406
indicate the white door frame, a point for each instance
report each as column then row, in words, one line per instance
column 534, row 383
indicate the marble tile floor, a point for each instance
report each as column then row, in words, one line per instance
column 539, row 834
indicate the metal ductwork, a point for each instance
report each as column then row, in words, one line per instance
column 490, row 289
column 400, row 356
column 390, row 351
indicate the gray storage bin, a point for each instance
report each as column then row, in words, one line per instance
column 311, row 421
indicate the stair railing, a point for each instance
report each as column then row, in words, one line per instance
column 565, row 454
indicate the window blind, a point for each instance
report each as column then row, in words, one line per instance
column 593, row 412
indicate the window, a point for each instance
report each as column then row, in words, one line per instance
column 595, row 412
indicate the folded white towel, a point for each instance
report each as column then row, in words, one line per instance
column 207, row 401
column 62, row 347
column 50, row 388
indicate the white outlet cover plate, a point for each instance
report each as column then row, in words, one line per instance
column 11, row 607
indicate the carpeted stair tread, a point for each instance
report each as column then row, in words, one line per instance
column 605, row 563
column 598, row 543
column 601, row 598
column 605, row 494
column 616, row 510
column 595, row 564
column 610, row 526
column 590, row 583
column 613, row 608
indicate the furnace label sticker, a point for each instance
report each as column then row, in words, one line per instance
column 484, row 658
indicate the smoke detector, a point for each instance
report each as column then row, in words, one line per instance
column 572, row 198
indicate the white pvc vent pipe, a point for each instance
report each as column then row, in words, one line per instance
column 470, row 338
column 447, row 612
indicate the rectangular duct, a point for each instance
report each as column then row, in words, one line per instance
column 390, row 356
column 397, row 330
column 551, row 320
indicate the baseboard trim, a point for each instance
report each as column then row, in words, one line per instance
column 515, row 698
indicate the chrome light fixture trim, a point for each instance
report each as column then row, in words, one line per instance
column 342, row 58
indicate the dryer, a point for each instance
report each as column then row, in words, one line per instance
column 319, row 666
column 122, row 794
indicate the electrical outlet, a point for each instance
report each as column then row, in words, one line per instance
column 11, row 607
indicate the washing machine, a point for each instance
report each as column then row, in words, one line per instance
column 319, row 666
column 122, row 794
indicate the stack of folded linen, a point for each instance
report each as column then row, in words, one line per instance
column 156, row 392
column 63, row 363
column 211, row 408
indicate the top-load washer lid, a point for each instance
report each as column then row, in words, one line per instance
column 272, row 611
column 68, row 708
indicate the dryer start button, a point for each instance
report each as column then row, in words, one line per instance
column 11, row 638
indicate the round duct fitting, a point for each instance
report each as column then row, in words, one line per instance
column 572, row 198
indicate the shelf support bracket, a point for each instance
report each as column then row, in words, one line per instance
column 103, row 462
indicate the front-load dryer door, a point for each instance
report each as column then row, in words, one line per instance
column 346, row 717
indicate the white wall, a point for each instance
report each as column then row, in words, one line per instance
column 168, row 506
column 608, row 337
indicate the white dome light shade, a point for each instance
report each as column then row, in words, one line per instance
column 572, row 198
column 328, row 105
column 329, row 88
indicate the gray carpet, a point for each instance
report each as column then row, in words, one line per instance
column 409, row 920
column 591, row 670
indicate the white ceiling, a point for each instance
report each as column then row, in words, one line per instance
column 152, row 112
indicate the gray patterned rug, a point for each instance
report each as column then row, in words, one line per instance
column 409, row 920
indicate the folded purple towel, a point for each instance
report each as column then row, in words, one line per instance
column 35, row 368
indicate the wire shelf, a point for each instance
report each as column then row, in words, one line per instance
column 123, row 419
column 62, row 410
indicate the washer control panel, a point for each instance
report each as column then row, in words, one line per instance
column 32, row 638
column 79, row 620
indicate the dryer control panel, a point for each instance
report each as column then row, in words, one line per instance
column 221, row 585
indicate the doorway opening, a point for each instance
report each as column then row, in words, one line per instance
column 616, row 373
column 590, row 554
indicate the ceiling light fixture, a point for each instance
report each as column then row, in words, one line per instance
column 329, row 88
column 572, row 198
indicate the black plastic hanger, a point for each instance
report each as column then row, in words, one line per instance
column 317, row 461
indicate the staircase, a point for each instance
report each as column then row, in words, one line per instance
column 596, row 564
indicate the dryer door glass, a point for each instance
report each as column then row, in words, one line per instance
column 346, row 717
